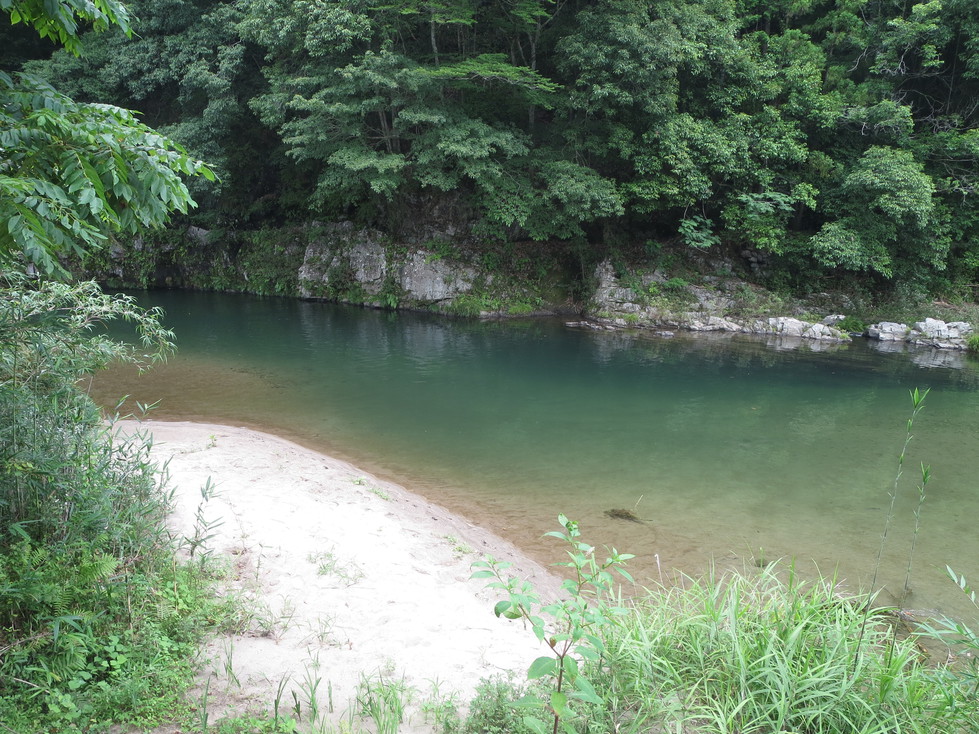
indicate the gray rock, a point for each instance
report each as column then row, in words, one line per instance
column 432, row 280
column 888, row 331
column 619, row 305
column 198, row 235
column 938, row 334
column 345, row 256
column 711, row 300
column 713, row 323
column 822, row 332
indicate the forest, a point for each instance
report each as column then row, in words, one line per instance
column 837, row 137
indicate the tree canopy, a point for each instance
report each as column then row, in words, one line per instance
column 835, row 135
column 71, row 172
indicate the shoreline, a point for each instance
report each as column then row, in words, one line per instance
column 347, row 575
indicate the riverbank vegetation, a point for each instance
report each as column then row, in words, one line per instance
column 759, row 651
column 833, row 141
column 99, row 621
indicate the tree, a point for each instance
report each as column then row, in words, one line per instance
column 417, row 101
column 73, row 173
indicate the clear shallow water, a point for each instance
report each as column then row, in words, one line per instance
column 729, row 450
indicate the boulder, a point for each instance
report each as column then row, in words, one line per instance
column 888, row 331
column 713, row 323
column 941, row 335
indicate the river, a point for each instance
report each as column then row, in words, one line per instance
column 729, row 451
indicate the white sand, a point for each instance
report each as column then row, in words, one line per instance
column 352, row 577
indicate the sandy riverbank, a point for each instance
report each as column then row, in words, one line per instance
column 351, row 576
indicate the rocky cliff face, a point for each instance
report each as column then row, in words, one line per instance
column 337, row 262
column 348, row 264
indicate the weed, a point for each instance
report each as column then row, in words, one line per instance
column 362, row 482
column 959, row 637
column 310, row 685
column 202, row 714
column 972, row 344
column 204, row 529
column 459, row 549
column 329, row 564
column 380, row 493
column 323, row 629
column 578, row 621
column 229, row 665
column 277, row 703
column 494, row 708
column 383, row 700
column 272, row 623
column 917, row 404
column 441, row 709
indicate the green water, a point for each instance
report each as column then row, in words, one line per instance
column 729, row 450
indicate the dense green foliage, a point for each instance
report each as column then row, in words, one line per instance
column 97, row 621
column 835, row 135
column 70, row 172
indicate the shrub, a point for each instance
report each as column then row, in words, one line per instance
column 852, row 325
column 493, row 710
column 97, row 622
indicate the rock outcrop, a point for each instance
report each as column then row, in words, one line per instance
column 941, row 335
column 928, row 333
column 350, row 264
column 637, row 300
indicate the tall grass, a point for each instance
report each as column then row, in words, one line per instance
column 759, row 654
column 755, row 652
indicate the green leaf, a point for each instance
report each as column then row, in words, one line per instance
column 502, row 607
column 559, row 704
column 540, row 667
column 586, row 691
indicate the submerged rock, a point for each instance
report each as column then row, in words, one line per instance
column 620, row 514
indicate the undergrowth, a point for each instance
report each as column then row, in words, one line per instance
column 98, row 621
